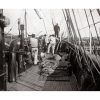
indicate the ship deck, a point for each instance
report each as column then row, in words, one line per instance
column 30, row 80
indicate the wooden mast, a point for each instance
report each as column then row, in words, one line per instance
column 19, row 26
column 26, row 24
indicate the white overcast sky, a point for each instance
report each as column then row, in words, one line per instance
column 35, row 25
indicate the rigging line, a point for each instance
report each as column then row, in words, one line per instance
column 66, row 21
column 44, row 22
column 30, row 21
column 71, row 23
column 82, row 23
column 94, row 26
column 52, row 20
column 64, row 29
column 91, row 59
column 61, row 21
column 37, row 14
column 41, row 19
column 98, row 11
column 80, row 20
column 76, row 50
column 92, row 37
column 84, row 55
column 13, row 25
column 42, row 13
column 94, row 65
column 28, row 17
column 44, row 26
column 89, row 27
column 90, row 14
column 68, row 26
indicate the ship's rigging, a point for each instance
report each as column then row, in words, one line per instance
column 74, row 39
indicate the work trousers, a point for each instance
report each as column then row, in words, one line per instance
column 51, row 46
column 35, row 55
column 56, row 34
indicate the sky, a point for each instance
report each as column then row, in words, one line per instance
column 36, row 25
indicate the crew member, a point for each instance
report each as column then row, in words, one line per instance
column 52, row 43
column 34, row 48
column 46, row 42
column 57, row 30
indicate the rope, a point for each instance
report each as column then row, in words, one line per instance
column 13, row 25
column 84, row 55
column 80, row 20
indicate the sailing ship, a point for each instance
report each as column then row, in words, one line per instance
column 79, row 70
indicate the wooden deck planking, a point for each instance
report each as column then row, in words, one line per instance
column 30, row 81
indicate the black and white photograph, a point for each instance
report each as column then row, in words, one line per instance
column 49, row 49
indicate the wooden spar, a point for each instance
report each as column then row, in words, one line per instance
column 1, row 41
column 19, row 26
column 22, row 36
column 26, row 24
column 90, row 42
column 3, row 85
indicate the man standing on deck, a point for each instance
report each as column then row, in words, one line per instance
column 34, row 48
column 52, row 43
column 46, row 42
column 57, row 30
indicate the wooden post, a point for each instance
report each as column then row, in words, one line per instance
column 22, row 35
column 19, row 26
column 26, row 24
column 1, row 40
column 2, row 55
column 21, row 59
column 90, row 42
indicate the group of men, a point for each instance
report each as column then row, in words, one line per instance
column 49, row 43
